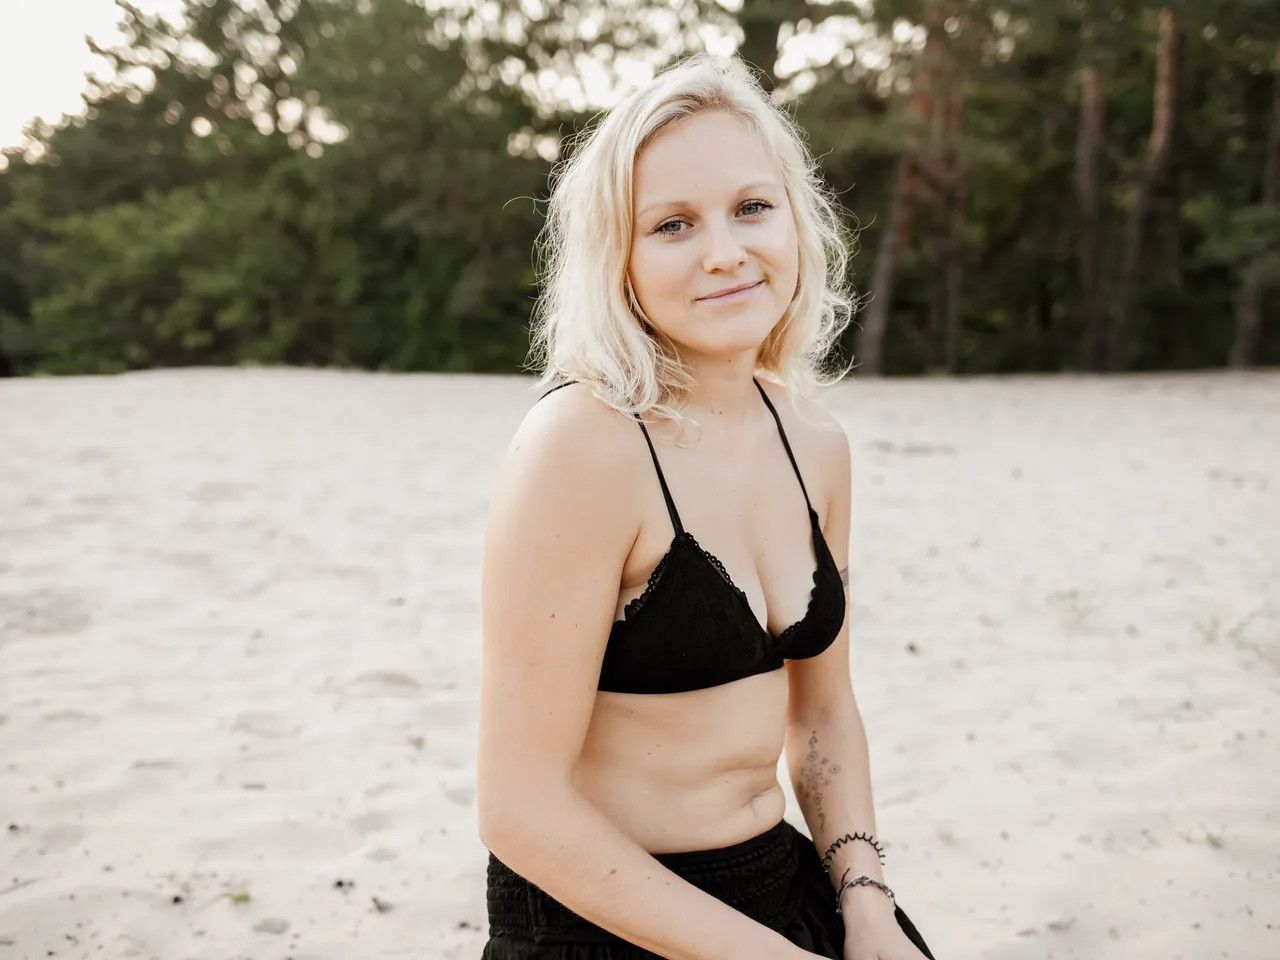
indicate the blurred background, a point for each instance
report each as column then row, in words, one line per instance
column 239, row 608
column 1038, row 185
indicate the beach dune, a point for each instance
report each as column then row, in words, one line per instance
column 239, row 657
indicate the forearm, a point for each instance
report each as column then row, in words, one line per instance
column 831, row 775
column 573, row 852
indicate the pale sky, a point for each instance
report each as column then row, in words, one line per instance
column 44, row 59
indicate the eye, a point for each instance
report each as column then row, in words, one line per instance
column 752, row 208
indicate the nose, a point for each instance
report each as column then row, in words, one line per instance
column 723, row 251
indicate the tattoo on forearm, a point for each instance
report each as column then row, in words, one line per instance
column 815, row 777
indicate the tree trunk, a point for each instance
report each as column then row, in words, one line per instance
column 953, row 252
column 1249, row 300
column 760, row 21
column 947, row 233
column 897, row 230
column 952, row 275
column 936, row 323
column 869, row 345
column 1153, row 164
column 1089, row 194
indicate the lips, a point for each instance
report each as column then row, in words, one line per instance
column 726, row 292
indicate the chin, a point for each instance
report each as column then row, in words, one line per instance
column 738, row 338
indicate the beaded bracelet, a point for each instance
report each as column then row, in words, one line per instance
column 849, row 838
column 862, row 881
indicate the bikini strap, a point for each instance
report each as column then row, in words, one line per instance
column 666, row 493
column 555, row 388
column 782, row 433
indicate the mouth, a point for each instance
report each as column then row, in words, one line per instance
column 733, row 293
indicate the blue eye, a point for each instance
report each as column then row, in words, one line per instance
column 762, row 204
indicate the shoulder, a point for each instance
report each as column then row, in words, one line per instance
column 810, row 427
column 575, row 442
column 571, row 420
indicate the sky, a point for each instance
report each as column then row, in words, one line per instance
column 44, row 59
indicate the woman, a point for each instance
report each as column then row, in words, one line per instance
column 663, row 596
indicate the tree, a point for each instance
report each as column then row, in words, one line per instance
column 1262, row 269
column 1164, row 102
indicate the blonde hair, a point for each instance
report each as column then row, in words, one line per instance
column 587, row 323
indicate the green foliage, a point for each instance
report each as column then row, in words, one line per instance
column 356, row 182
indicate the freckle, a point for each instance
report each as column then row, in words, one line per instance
column 553, row 616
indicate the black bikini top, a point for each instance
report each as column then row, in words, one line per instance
column 693, row 628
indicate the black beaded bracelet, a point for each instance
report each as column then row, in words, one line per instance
column 849, row 838
column 863, row 881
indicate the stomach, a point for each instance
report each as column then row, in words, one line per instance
column 696, row 770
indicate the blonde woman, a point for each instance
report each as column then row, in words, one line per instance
column 663, row 596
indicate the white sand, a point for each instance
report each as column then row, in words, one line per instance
column 239, row 652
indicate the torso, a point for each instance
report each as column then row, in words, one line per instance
column 688, row 771
column 698, row 769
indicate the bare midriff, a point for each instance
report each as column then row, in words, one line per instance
column 696, row 770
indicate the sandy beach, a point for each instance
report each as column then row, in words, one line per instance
column 239, row 656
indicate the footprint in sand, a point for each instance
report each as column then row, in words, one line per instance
column 220, row 491
column 463, row 795
column 62, row 836
column 44, row 612
column 269, row 726
column 374, row 821
column 385, row 683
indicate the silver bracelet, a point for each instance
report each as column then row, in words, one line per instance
column 863, row 881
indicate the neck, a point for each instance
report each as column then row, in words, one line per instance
column 725, row 395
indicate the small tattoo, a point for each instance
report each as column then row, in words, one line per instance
column 818, row 774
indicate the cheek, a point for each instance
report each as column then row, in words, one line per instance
column 784, row 244
column 655, row 271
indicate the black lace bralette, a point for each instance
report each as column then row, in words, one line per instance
column 693, row 627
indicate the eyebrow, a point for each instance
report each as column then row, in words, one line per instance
column 753, row 185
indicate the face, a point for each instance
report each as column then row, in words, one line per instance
column 710, row 214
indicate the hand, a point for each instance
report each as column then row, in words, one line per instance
column 871, row 930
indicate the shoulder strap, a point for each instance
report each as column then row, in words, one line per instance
column 782, row 433
column 555, row 388
column 666, row 493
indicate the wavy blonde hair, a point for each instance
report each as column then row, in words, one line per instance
column 587, row 323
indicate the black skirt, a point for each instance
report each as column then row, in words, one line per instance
column 775, row 878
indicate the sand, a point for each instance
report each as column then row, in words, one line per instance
column 239, row 653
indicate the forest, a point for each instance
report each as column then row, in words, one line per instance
column 1030, row 185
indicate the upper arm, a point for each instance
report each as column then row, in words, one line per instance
column 555, row 543
column 822, row 684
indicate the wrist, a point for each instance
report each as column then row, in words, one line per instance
column 862, row 904
column 853, row 849
column 855, row 860
column 878, row 905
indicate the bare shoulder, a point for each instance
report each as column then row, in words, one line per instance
column 573, row 435
column 572, row 468
column 810, row 426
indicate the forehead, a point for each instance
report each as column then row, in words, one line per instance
column 709, row 151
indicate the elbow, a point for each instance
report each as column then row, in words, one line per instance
column 505, row 814
column 496, row 817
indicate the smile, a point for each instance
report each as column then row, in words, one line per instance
column 734, row 296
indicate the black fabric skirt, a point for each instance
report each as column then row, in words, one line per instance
column 775, row 878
